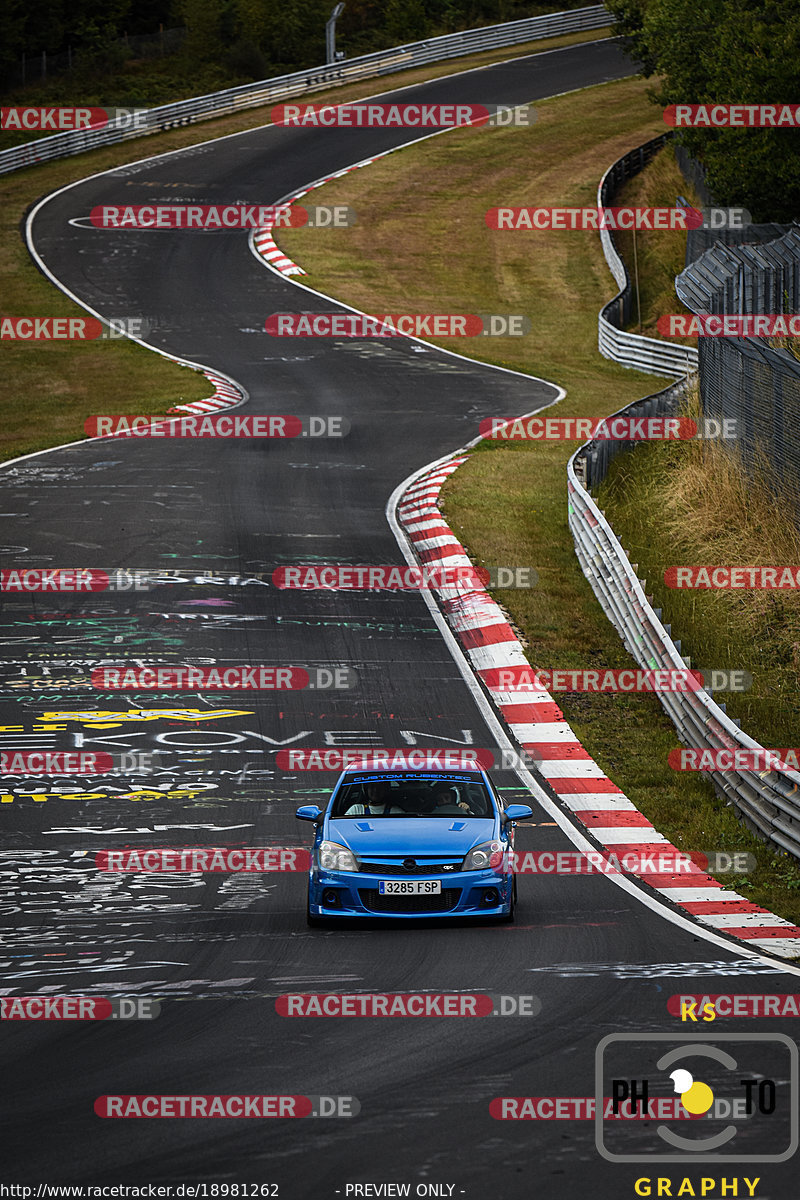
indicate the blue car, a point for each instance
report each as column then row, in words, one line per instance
column 402, row 844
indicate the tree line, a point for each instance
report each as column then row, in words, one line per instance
column 727, row 52
column 252, row 38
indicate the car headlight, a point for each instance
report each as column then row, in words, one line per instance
column 488, row 854
column 333, row 857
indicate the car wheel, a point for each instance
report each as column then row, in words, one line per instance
column 510, row 916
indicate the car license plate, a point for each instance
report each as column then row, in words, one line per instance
column 409, row 887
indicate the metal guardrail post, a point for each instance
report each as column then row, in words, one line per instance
column 330, row 33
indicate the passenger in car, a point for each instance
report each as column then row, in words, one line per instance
column 377, row 801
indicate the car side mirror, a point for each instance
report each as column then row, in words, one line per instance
column 309, row 812
column 518, row 812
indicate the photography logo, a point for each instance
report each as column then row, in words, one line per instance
column 730, row 1097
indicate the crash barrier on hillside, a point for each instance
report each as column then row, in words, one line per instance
column 744, row 378
column 768, row 801
column 700, row 240
column 301, row 83
column 633, row 349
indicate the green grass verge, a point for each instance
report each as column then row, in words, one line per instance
column 508, row 503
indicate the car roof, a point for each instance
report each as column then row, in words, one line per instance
column 353, row 775
column 468, row 768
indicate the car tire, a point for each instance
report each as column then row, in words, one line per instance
column 510, row 917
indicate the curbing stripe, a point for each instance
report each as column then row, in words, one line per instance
column 225, row 396
column 610, row 816
column 550, row 739
column 633, row 839
column 588, row 802
column 732, row 903
column 486, row 635
column 264, row 241
column 531, row 713
column 536, row 722
column 689, row 896
column 507, row 653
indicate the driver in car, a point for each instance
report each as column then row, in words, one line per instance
column 378, row 795
column 446, row 800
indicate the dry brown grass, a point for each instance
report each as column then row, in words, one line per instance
column 692, row 504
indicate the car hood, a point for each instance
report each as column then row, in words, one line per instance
column 411, row 835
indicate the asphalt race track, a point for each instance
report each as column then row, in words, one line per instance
column 217, row 950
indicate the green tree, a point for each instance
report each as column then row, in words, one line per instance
column 204, row 22
column 733, row 52
column 12, row 37
column 405, row 20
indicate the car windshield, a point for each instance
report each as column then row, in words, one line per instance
column 413, row 795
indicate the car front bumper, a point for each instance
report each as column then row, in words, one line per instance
column 355, row 894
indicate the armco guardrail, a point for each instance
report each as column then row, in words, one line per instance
column 369, row 66
column 632, row 349
column 769, row 802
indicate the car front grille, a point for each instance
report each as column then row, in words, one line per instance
column 375, row 902
column 421, row 868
